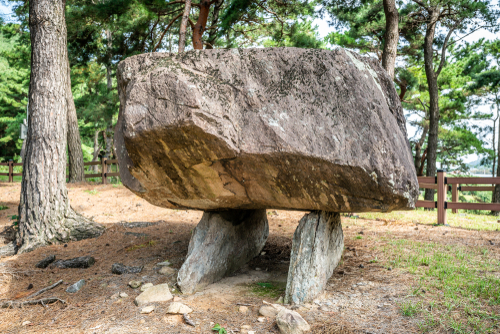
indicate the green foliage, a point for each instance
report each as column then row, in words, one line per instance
column 219, row 329
column 14, row 82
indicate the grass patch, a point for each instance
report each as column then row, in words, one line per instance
column 150, row 243
column 3, row 207
column 469, row 221
column 458, row 287
column 92, row 192
column 359, row 237
column 268, row 289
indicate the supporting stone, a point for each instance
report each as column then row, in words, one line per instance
column 317, row 247
column 222, row 242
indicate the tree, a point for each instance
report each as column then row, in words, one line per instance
column 45, row 215
column 391, row 37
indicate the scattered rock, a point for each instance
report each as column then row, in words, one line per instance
column 268, row 311
column 76, row 287
column 147, row 309
column 261, row 319
column 361, row 266
column 123, row 295
column 146, row 286
column 167, row 271
column 30, row 286
column 178, row 308
column 243, row 309
column 134, row 284
column 280, row 300
column 120, row 269
column 45, row 262
column 142, row 321
column 222, row 243
column 77, row 262
column 290, row 322
column 26, row 323
column 115, row 296
column 164, row 264
column 157, row 293
column 177, row 299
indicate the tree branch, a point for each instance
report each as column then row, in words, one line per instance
column 445, row 45
column 165, row 31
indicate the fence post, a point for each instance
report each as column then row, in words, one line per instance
column 104, row 170
column 11, row 170
column 454, row 195
column 441, row 200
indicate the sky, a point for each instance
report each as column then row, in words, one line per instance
column 323, row 30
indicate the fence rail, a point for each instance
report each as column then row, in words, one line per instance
column 104, row 163
column 443, row 184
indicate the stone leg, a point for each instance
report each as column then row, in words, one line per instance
column 317, row 247
column 222, row 242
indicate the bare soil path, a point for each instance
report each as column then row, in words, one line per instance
column 363, row 295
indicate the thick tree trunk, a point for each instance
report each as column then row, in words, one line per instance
column 418, row 151
column 432, row 142
column 391, row 37
column 200, row 25
column 45, row 215
column 75, row 161
column 183, row 27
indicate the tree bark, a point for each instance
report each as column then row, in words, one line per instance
column 183, row 27
column 199, row 27
column 418, row 150
column 75, row 161
column 432, row 142
column 391, row 37
column 45, row 215
column 496, row 193
column 97, row 149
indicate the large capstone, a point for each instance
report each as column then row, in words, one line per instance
column 281, row 128
column 317, row 247
column 222, row 243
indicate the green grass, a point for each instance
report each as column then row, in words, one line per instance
column 268, row 289
column 3, row 207
column 469, row 221
column 92, row 192
column 458, row 287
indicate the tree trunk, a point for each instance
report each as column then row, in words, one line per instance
column 75, row 161
column 418, row 150
column 494, row 148
column 45, row 215
column 200, row 25
column 432, row 142
column 97, row 149
column 183, row 28
column 391, row 37
column 496, row 193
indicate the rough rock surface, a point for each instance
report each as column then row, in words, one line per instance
column 120, row 269
column 77, row 262
column 76, row 286
column 290, row 322
column 157, row 293
column 282, row 128
column 318, row 243
column 178, row 308
column 222, row 243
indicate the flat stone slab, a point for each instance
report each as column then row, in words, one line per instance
column 157, row 293
column 282, row 128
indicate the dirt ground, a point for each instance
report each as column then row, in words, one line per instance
column 358, row 299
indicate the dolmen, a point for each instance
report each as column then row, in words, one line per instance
column 234, row 132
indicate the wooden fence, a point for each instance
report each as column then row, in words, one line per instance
column 443, row 184
column 104, row 163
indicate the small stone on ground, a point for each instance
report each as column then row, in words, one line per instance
column 157, row 293
column 146, row 286
column 178, row 308
column 76, row 287
column 290, row 322
column 147, row 309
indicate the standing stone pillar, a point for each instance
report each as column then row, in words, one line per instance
column 317, row 247
column 222, row 243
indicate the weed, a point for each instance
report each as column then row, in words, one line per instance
column 219, row 329
column 150, row 243
column 3, row 207
column 409, row 309
column 92, row 192
column 268, row 289
column 359, row 237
